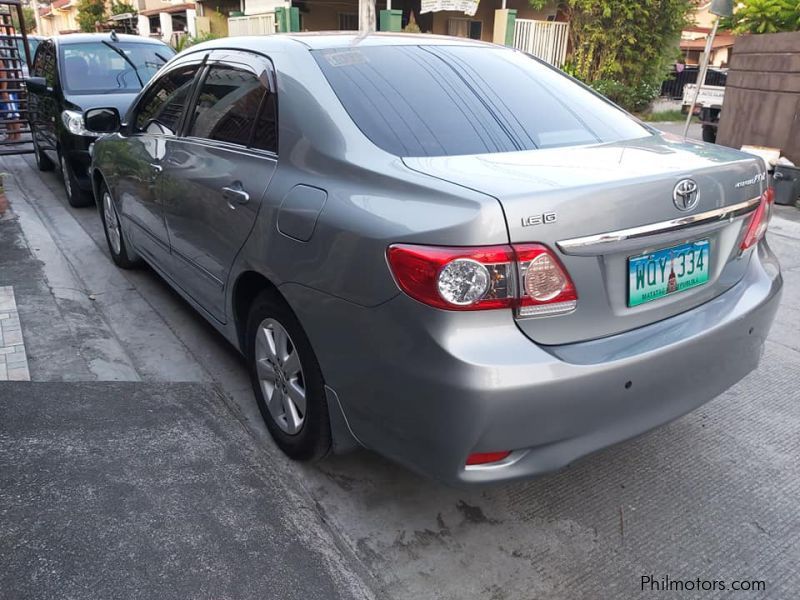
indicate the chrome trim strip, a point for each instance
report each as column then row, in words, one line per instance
column 583, row 244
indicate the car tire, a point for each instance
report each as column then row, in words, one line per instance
column 76, row 197
column 42, row 162
column 121, row 252
column 283, row 371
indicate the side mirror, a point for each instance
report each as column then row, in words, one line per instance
column 37, row 85
column 102, row 120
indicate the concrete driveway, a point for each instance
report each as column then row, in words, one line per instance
column 712, row 496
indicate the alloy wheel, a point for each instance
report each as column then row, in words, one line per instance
column 111, row 222
column 280, row 376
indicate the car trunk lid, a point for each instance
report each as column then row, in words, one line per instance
column 596, row 206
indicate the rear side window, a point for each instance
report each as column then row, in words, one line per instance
column 228, row 105
column 165, row 101
column 452, row 100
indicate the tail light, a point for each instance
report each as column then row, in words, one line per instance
column 455, row 278
column 528, row 277
column 546, row 287
column 757, row 227
column 485, row 458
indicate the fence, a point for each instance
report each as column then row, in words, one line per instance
column 252, row 25
column 544, row 39
column 762, row 98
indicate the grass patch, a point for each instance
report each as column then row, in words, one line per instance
column 664, row 115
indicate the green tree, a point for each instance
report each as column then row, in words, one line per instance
column 91, row 12
column 121, row 8
column 28, row 16
column 624, row 47
column 765, row 16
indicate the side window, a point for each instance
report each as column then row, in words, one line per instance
column 228, row 105
column 161, row 109
column 38, row 61
column 44, row 64
column 265, row 136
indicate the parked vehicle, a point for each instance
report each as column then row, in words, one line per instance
column 672, row 86
column 75, row 72
column 708, row 107
column 443, row 249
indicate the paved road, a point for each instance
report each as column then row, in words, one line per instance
column 712, row 495
column 676, row 128
column 153, row 491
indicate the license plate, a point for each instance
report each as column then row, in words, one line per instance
column 667, row 271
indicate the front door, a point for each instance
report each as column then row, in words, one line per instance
column 215, row 176
column 44, row 106
column 155, row 120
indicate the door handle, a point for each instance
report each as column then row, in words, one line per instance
column 235, row 194
column 157, row 168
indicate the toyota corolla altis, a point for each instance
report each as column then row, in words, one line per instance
column 442, row 250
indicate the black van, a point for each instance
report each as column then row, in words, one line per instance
column 72, row 73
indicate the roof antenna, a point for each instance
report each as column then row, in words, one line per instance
column 114, row 37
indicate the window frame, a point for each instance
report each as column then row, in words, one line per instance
column 242, row 59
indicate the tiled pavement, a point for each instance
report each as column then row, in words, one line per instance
column 13, row 361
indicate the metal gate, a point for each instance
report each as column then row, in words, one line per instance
column 544, row 39
column 15, row 60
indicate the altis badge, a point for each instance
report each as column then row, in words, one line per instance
column 752, row 181
column 542, row 219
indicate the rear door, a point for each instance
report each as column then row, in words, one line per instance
column 215, row 176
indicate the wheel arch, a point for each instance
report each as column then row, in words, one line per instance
column 246, row 288
column 98, row 179
column 248, row 285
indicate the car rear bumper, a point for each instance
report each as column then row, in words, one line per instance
column 428, row 387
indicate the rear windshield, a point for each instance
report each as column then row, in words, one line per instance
column 106, row 66
column 451, row 100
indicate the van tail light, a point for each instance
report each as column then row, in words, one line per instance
column 759, row 221
column 527, row 277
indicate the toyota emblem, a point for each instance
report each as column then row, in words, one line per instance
column 685, row 196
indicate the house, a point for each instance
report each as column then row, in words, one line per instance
column 59, row 17
column 166, row 20
column 693, row 39
column 490, row 20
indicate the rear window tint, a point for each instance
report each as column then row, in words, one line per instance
column 452, row 100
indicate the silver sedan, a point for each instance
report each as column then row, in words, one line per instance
column 442, row 250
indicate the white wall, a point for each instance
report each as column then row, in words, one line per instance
column 257, row 7
column 166, row 26
column 143, row 26
column 191, row 26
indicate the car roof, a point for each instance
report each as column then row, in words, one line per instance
column 77, row 38
column 320, row 40
column 336, row 39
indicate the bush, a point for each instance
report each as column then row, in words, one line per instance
column 185, row 41
column 623, row 48
column 632, row 97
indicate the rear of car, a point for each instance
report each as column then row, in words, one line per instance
column 634, row 286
